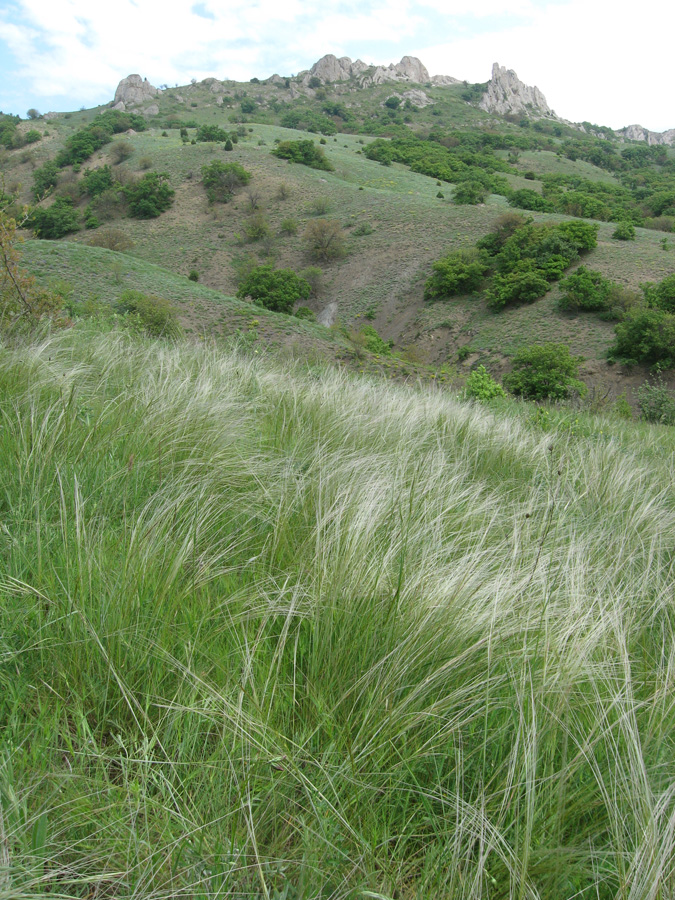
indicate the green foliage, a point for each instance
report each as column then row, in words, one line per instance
column 585, row 290
column 480, row 385
column 624, row 231
column 304, row 152
column 257, row 227
column 54, row 221
column 393, row 102
column 529, row 199
column 248, row 105
column 656, row 403
column 44, row 179
column 470, row 192
column 153, row 315
column 460, row 272
column 305, row 313
column 645, row 335
column 275, row 289
column 308, row 120
column 96, row 181
column 149, row 197
column 212, row 134
column 374, row 343
column 524, row 283
column 193, row 275
column 545, row 372
column 121, row 150
column 661, row 295
column 221, row 180
column 289, row 226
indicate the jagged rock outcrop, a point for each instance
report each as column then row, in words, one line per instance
column 329, row 68
column 441, row 80
column 409, row 69
column 133, row 91
column 638, row 133
column 507, row 94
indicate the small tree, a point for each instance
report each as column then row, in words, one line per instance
column 56, row 221
column 33, row 113
column 585, row 290
column 149, row 197
column 221, row 180
column 545, row 372
column 325, row 239
column 275, row 289
column 21, row 300
column 460, row 272
column 470, row 193
column 480, row 385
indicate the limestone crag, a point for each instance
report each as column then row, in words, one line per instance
column 330, row 69
column 441, row 80
column 638, row 133
column 507, row 95
column 133, row 91
column 417, row 97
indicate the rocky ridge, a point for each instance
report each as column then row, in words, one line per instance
column 506, row 94
column 638, row 133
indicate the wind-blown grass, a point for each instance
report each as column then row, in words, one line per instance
column 274, row 633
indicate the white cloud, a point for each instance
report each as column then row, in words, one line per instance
column 611, row 66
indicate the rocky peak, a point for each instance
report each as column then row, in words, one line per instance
column 132, row 91
column 638, row 133
column 330, row 68
column 507, row 94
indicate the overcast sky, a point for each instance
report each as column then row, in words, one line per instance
column 610, row 63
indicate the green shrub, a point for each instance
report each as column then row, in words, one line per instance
column 257, row 227
column 624, row 231
column 524, row 284
column 289, row 226
column 193, row 275
column 656, row 403
column 96, row 181
column 526, row 198
column 470, row 192
column 304, row 152
column 149, row 197
column 374, row 343
column 480, row 385
column 545, row 372
column 44, row 179
column 212, row 134
column 313, row 275
column 460, row 272
column 221, row 180
column 56, row 221
column 111, row 239
column 304, row 312
column 645, row 335
column 585, row 289
column 153, row 315
column 661, row 295
column 275, row 289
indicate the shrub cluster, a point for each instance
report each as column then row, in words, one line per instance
column 545, row 372
column 275, row 289
column 153, row 315
column 150, row 196
column 307, row 153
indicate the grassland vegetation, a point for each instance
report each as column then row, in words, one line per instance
column 149, row 314
column 272, row 633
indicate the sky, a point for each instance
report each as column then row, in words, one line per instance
column 610, row 63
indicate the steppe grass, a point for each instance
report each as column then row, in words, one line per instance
column 274, row 633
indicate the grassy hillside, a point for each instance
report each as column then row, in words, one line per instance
column 395, row 224
column 279, row 635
